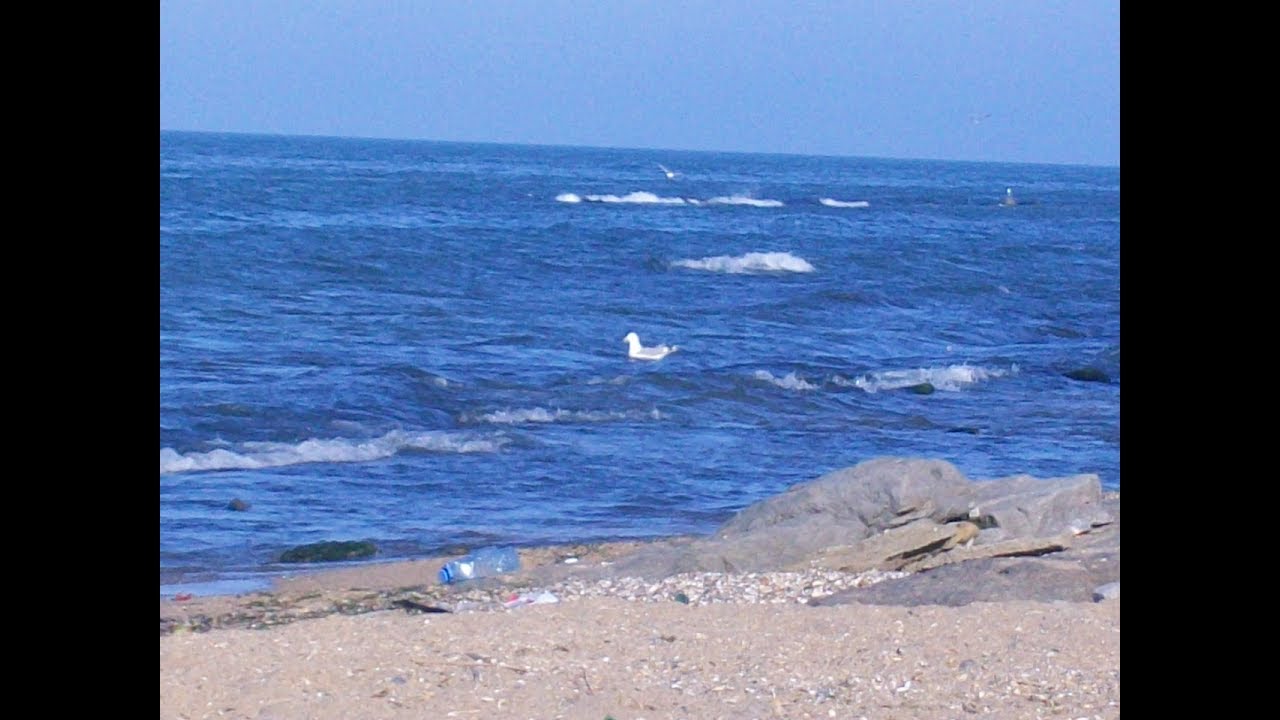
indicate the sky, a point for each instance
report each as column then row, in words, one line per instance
column 1009, row 81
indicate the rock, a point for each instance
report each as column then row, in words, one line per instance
column 913, row 514
column 857, row 501
column 837, row 509
column 1110, row 591
column 1009, row 548
column 238, row 505
column 965, row 533
column 893, row 549
column 1024, row 506
column 987, row 580
column 329, row 551
column 1088, row 374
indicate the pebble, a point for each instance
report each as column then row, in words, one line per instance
column 706, row 588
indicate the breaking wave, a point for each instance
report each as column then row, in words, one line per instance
column 254, row 455
column 641, row 197
column 952, row 378
column 790, row 381
column 542, row 415
column 744, row 200
column 753, row 262
column 843, row 203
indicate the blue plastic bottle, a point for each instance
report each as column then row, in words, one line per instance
column 481, row 563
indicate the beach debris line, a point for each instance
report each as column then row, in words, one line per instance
column 531, row 598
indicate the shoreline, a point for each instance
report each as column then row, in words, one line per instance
column 336, row 644
column 765, row 618
column 320, row 590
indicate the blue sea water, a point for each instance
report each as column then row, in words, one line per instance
column 420, row 343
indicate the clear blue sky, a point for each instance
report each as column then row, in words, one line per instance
column 1033, row 81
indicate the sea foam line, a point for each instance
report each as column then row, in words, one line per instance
column 752, row 262
column 844, row 203
column 641, row 197
column 255, row 455
column 951, row 377
column 542, row 415
column 633, row 198
column 744, row 200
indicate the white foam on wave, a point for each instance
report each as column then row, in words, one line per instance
column 752, row 262
column 542, row 415
column 952, row 378
column 637, row 198
column 643, row 197
column 744, row 200
column 255, row 455
column 790, row 381
column 844, row 203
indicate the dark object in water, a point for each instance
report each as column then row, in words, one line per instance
column 1088, row 374
column 923, row 388
column 329, row 551
column 412, row 607
column 238, row 505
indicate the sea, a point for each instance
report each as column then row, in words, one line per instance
column 420, row 344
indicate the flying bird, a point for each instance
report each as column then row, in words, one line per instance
column 636, row 351
column 671, row 174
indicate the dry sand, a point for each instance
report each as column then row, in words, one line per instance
column 597, row 657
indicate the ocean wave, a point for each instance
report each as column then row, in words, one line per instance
column 790, row 381
column 744, row 200
column 637, row 198
column 753, row 262
column 255, row 455
column 642, row 197
column 843, row 203
column 951, row 377
column 542, row 415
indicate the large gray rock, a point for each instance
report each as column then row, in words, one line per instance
column 837, row 509
column 847, row 505
column 987, row 580
column 1023, row 506
column 966, row 540
column 894, row 549
column 1018, row 547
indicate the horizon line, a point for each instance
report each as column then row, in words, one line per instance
column 638, row 149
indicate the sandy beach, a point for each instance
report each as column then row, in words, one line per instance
column 343, row 644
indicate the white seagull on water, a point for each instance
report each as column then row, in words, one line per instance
column 671, row 174
column 639, row 352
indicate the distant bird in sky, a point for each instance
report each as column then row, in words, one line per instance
column 975, row 118
column 636, row 351
column 671, row 174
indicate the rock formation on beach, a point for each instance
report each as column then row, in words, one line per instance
column 1013, row 538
